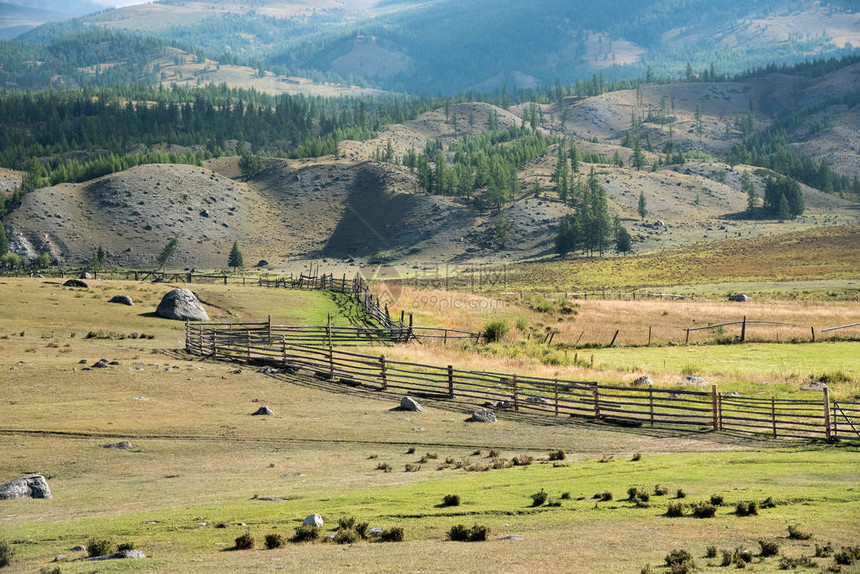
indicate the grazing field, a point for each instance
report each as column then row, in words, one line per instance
column 203, row 471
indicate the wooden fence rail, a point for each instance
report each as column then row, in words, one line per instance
column 625, row 406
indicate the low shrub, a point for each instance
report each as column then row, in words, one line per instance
column 637, row 457
column 660, row 490
column 717, row 499
column 383, row 466
column 538, row 498
column 245, row 542
column 746, row 508
column 565, row 496
column 98, row 547
column 451, row 500
column 847, row 555
column 704, row 510
column 459, row 533
column 346, row 536
column 643, row 497
column 557, row 455
column 493, row 453
column 274, row 541
column 728, row 557
column 674, row 510
column 768, row 503
column 711, row 552
column 796, row 533
column 741, row 556
column 495, row 331
column 680, row 493
column 345, row 523
column 50, row 570
column 306, row 533
column 125, row 546
column 605, row 496
column 632, row 492
column 523, row 460
column 7, row 551
column 393, row 534
column 412, row 467
column 768, row 548
column 786, row 563
column 410, row 450
column 824, row 550
column 606, row 458
column 678, row 556
column 362, row 529
column 431, row 456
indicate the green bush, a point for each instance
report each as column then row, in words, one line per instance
column 727, row 558
column 768, row 503
column 674, row 510
column 605, row 496
column 680, row 493
column 346, row 536
column 746, row 508
column 637, row 457
column 306, row 533
column 493, row 453
column 678, row 557
column 393, row 534
column 717, row 499
column 274, row 541
column 7, row 551
column 847, row 555
column 538, row 498
column 557, row 455
column 704, row 510
column 459, row 533
column 125, row 546
column 451, row 500
column 565, row 495
column 97, row 547
column 796, row 533
column 711, row 552
column 786, row 563
column 660, row 490
column 345, row 523
column 632, row 492
column 362, row 529
column 769, row 547
column 495, row 331
column 245, row 542
column 824, row 550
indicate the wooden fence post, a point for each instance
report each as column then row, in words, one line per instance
column 450, row 381
column 187, row 336
column 269, row 325
column 214, row 343
column 516, row 393
column 687, row 340
column 596, row 394
column 613, row 338
column 744, row 329
column 248, row 343
column 827, row 431
column 649, row 335
column 556, row 396
column 715, row 407
column 813, row 333
column 383, row 372
column 284, row 348
column 651, row 403
column 773, row 414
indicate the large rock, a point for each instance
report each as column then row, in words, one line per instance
column 740, row 298
column 75, row 283
column 181, row 304
column 122, row 300
column 313, row 520
column 264, row 411
column 410, row 404
column 483, row 416
column 643, row 381
column 33, row 486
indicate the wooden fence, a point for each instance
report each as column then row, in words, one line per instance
column 625, row 406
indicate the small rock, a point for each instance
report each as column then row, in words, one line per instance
column 76, row 283
column 815, row 386
column 483, row 416
column 375, row 532
column 643, row 381
column 514, row 538
column 733, row 394
column 313, row 520
column 691, row 380
column 122, row 300
column 538, row 401
column 140, row 398
column 59, row 557
column 410, row 404
column 263, row 411
column 262, row 263
column 78, row 548
column 121, row 555
column 740, row 297
column 122, row 445
column 82, row 362
column 101, row 364
column 240, row 524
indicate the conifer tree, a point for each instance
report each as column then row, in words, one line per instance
column 235, row 259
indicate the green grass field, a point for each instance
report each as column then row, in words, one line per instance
column 201, row 460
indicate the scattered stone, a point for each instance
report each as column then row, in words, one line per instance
column 86, row 275
column 75, row 283
column 122, row 445
column 121, row 555
column 114, row 363
column 514, row 538
column 262, row 263
column 814, row 386
column 78, row 548
column 122, row 300
column 691, row 380
column 293, row 474
column 733, row 394
column 33, row 486
column 483, row 416
column 269, row 371
column 409, row 404
column 140, row 398
column 240, row 524
column 538, row 401
column 740, row 298
column 417, row 429
column 263, row 411
column 59, row 557
column 375, row 532
column 82, row 362
column 313, row 520
column 643, row 381
column 101, row 364
column 181, row 304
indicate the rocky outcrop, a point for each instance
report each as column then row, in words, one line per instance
column 33, row 486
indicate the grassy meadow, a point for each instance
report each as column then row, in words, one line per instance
column 203, row 471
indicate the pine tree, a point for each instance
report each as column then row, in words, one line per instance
column 784, row 211
column 638, row 157
column 4, row 240
column 235, row 259
column 623, row 241
column 642, row 208
column 166, row 253
column 748, row 187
